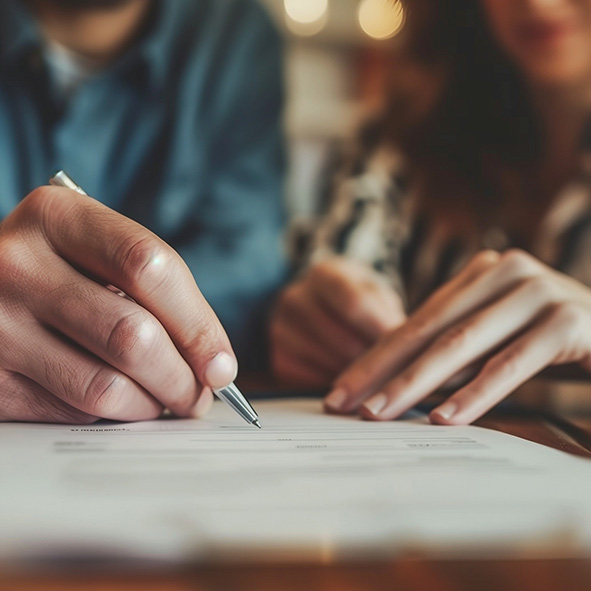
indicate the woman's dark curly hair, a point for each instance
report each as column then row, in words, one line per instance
column 479, row 111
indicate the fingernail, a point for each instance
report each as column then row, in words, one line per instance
column 336, row 399
column 376, row 404
column 221, row 371
column 447, row 410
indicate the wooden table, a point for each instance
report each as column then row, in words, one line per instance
column 402, row 574
column 570, row 433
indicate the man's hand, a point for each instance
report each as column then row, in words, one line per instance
column 72, row 350
column 328, row 318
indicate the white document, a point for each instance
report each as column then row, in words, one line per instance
column 307, row 485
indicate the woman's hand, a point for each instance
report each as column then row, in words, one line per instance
column 508, row 312
column 328, row 318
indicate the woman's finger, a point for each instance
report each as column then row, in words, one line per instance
column 458, row 347
column 472, row 291
column 476, row 266
column 489, row 277
column 539, row 347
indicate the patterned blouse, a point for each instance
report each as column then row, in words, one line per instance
column 373, row 216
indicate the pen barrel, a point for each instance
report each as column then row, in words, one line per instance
column 234, row 398
column 61, row 179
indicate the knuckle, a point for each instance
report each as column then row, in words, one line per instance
column 519, row 262
column 537, row 283
column 404, row 381
column 506, row 365
column 203, row 344
column 15, row 260
column 540, row 286
column 132, row 338
column 456, row 338
column 143, row 259
column 486, row 257
column 566, row 316
column 104, row 393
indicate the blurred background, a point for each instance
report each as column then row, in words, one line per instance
column 335, row 54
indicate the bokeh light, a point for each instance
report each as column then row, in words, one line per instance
column 306, row 11
column 381, row 19
column 306, row 17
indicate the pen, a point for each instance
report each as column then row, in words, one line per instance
column 231, row 395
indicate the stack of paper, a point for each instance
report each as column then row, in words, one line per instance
column 307, row 485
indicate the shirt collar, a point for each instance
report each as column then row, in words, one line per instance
column 20, row 35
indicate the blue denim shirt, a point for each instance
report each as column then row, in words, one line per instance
column 182, row 133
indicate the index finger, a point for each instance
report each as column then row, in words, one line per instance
column 484, row 279
column 123, row 253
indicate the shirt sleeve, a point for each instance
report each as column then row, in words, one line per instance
column 238, row 260
column 367, row 215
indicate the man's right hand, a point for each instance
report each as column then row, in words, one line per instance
column 72, row 350
column 337, row 311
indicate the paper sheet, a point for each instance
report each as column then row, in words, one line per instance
column 307, row 485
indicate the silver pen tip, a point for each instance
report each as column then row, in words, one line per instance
column 257, row 424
